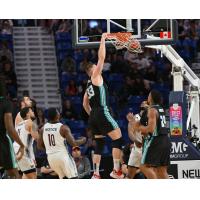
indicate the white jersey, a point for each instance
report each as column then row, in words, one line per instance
column 26, row 139
column 19, row 119
column 52, row 138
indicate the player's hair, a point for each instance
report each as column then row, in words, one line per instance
column 51, row 114
column 3, row 91
column 87, row 66
column 24, row 112
column 156, row 97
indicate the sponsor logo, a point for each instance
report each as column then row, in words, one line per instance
column 179, row 150
column 191, row 173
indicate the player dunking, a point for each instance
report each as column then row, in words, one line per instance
column 101, row 122
column 156, row 149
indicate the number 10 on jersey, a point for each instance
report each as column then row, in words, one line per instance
column 51, row 140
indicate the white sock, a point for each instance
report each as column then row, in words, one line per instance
column 116, row 163
column 96, row 168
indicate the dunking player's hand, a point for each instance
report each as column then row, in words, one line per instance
column 104, row 35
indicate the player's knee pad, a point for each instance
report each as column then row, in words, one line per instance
column 100, row 142
column 117, row 143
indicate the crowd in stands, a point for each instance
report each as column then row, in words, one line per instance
column 129, row 76
column 7, row 69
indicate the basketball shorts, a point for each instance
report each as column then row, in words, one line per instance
column 7, row 154
column 101, row 122
column 26, row 165
column 63, row 164
column 135, row 157
column 156, row 151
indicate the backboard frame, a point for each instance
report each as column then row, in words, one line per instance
column 144, row 41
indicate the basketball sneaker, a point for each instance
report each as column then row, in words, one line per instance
column 96, row 176
column 117, row 174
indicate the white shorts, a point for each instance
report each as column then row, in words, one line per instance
column 26, row 165
column 135, row 157
column 63, row 164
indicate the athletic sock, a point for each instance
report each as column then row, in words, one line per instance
column 96, row 168
column 116, row 163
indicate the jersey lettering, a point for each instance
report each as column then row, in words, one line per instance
column 90, row 92
column 163, row 121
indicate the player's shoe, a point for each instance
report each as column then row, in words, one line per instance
column 117, row 174
column 96, row 176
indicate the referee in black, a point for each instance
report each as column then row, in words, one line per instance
column 7, row 131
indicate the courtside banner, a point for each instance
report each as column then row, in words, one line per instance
column 183, row 149
column 188, row 169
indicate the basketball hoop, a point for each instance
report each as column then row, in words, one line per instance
column 125, row 40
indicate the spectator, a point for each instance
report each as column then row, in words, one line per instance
column 127, row 90
column 94, row 56
column 7, row 27
column 6, row 52
column 107, row 63
column 10, row 79
column 82, row 163
column 82, row 87
column 69, row 65
column 118, row 65
column 130, row 57
column 139, row 87
column 65, row 26
column 90, row 144
column 83, row 63
column 71, row 89
column 68, row 111
column 151, row 74
column 142, row 62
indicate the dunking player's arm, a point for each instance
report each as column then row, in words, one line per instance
column 101, row 57
column 152, row 118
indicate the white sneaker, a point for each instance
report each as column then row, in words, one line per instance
column 117, row 174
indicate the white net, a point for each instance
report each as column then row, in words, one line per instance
column 125, row 40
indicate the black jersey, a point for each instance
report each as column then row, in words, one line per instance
column 5, row 107
column 98, row 95
column 161, row 128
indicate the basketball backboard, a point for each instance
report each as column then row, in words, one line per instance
column 87, row 32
